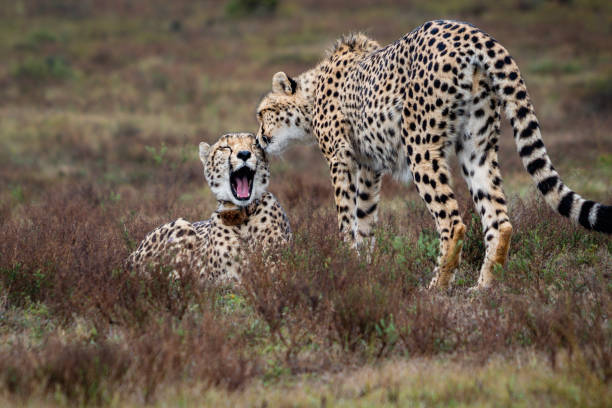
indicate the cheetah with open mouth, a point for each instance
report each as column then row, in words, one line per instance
column 247, row 216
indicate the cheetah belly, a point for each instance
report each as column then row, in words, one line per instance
column 376, row 135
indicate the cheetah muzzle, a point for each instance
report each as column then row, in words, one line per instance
column 241, row 182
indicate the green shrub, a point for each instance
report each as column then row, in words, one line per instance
column 237, row 8
column 41, row 69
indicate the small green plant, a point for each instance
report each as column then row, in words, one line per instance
column 36, row 39
column 387, row 333
column 114, row 196
column 157, row 155
column 17, row 193
column 274, row 371
column 25, row 286
column 41, row 37
column 130, row 243
column 428, row 244
column 43, row 68
column 399, row 244
column 231, row 302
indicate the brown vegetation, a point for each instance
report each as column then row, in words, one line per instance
column 321, row 308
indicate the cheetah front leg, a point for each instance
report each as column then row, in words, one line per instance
column 366, row 208
column 343, row 168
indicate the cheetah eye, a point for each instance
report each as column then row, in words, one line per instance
column 260, row 114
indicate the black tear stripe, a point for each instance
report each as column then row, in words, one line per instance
column 546, row 185
column 565, row 206
column 584, row 214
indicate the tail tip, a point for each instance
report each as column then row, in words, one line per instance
column 603, row 222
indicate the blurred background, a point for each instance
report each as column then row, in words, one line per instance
column 115, row 95
column 102, row 106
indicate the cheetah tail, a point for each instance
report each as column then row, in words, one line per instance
column 511, row 89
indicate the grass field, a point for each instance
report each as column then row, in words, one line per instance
column 102, row 106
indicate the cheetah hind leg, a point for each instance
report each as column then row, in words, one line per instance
column 477, row 155
column 496, row 257
column 433, row 184
column 444, row 273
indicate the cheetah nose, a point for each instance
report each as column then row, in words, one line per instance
column 244, row 155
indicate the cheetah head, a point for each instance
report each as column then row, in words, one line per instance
column 236, row 168
column 283, row 114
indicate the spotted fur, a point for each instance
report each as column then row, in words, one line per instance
column 217, row 248
column 402, row 109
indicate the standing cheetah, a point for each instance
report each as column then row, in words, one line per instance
column 402, row 109
column 237, row 172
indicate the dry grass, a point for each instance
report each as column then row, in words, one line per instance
column 100, row 332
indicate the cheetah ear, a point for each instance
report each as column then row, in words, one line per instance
column 281, row 83
column 204, row 149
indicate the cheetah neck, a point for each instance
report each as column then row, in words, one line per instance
column 232, row 214
column 307, row 81
column 308, row 86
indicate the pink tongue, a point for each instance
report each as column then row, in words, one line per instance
column 242, row 187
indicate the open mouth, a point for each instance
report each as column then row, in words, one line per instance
column 241, row 181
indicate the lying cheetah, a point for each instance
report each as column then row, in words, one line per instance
column 403, row 109
column 237, row 172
